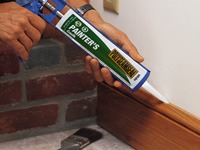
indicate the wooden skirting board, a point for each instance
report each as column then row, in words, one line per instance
column 145, row 123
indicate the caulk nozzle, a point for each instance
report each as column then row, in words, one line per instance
column 154, row 92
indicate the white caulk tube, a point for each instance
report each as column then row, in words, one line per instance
column 132, row 74
column 154, row 92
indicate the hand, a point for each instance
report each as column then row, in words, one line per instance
column 20, row 29
column 92, row 65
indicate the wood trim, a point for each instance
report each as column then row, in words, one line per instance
column 144, row 122
column 169, row 110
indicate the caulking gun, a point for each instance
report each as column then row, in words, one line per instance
column 131, row 73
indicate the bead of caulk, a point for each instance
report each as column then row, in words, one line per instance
column 154, row 92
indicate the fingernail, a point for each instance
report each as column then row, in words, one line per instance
column 141, row 57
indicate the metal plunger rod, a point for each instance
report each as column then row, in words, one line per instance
column 51, row 7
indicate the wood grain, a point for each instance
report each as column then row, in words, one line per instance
column 169, row 110
column 144, row 123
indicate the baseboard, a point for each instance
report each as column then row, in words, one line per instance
column 143, row 122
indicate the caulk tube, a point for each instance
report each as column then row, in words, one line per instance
column 132, row 74
column 93, row 42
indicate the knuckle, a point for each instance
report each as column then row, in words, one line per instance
column 9, row 38
column 22, row 21
column 17, row 30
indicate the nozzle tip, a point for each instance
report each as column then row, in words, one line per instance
column 154, row 92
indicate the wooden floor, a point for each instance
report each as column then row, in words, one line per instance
column 145, row 123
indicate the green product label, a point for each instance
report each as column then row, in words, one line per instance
column 81, row 33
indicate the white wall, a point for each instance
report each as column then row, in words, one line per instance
column 167, row 34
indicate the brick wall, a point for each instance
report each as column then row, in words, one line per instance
column 50, row 92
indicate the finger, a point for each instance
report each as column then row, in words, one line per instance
column 107, row 76
column 20, row 49
column 133, row 52
column 88, row 67
column 37, row 22
column 26, row 41
column 130, row 48
column 14, row 44
column 33, row 34
column 117, row 84
column 22, row 53
column 96, row 70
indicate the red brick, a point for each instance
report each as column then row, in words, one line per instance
column 77, row 57
column 22, row 119
column 81, row 109
column 56, row 85
column 10, row 92
column 8, row 62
